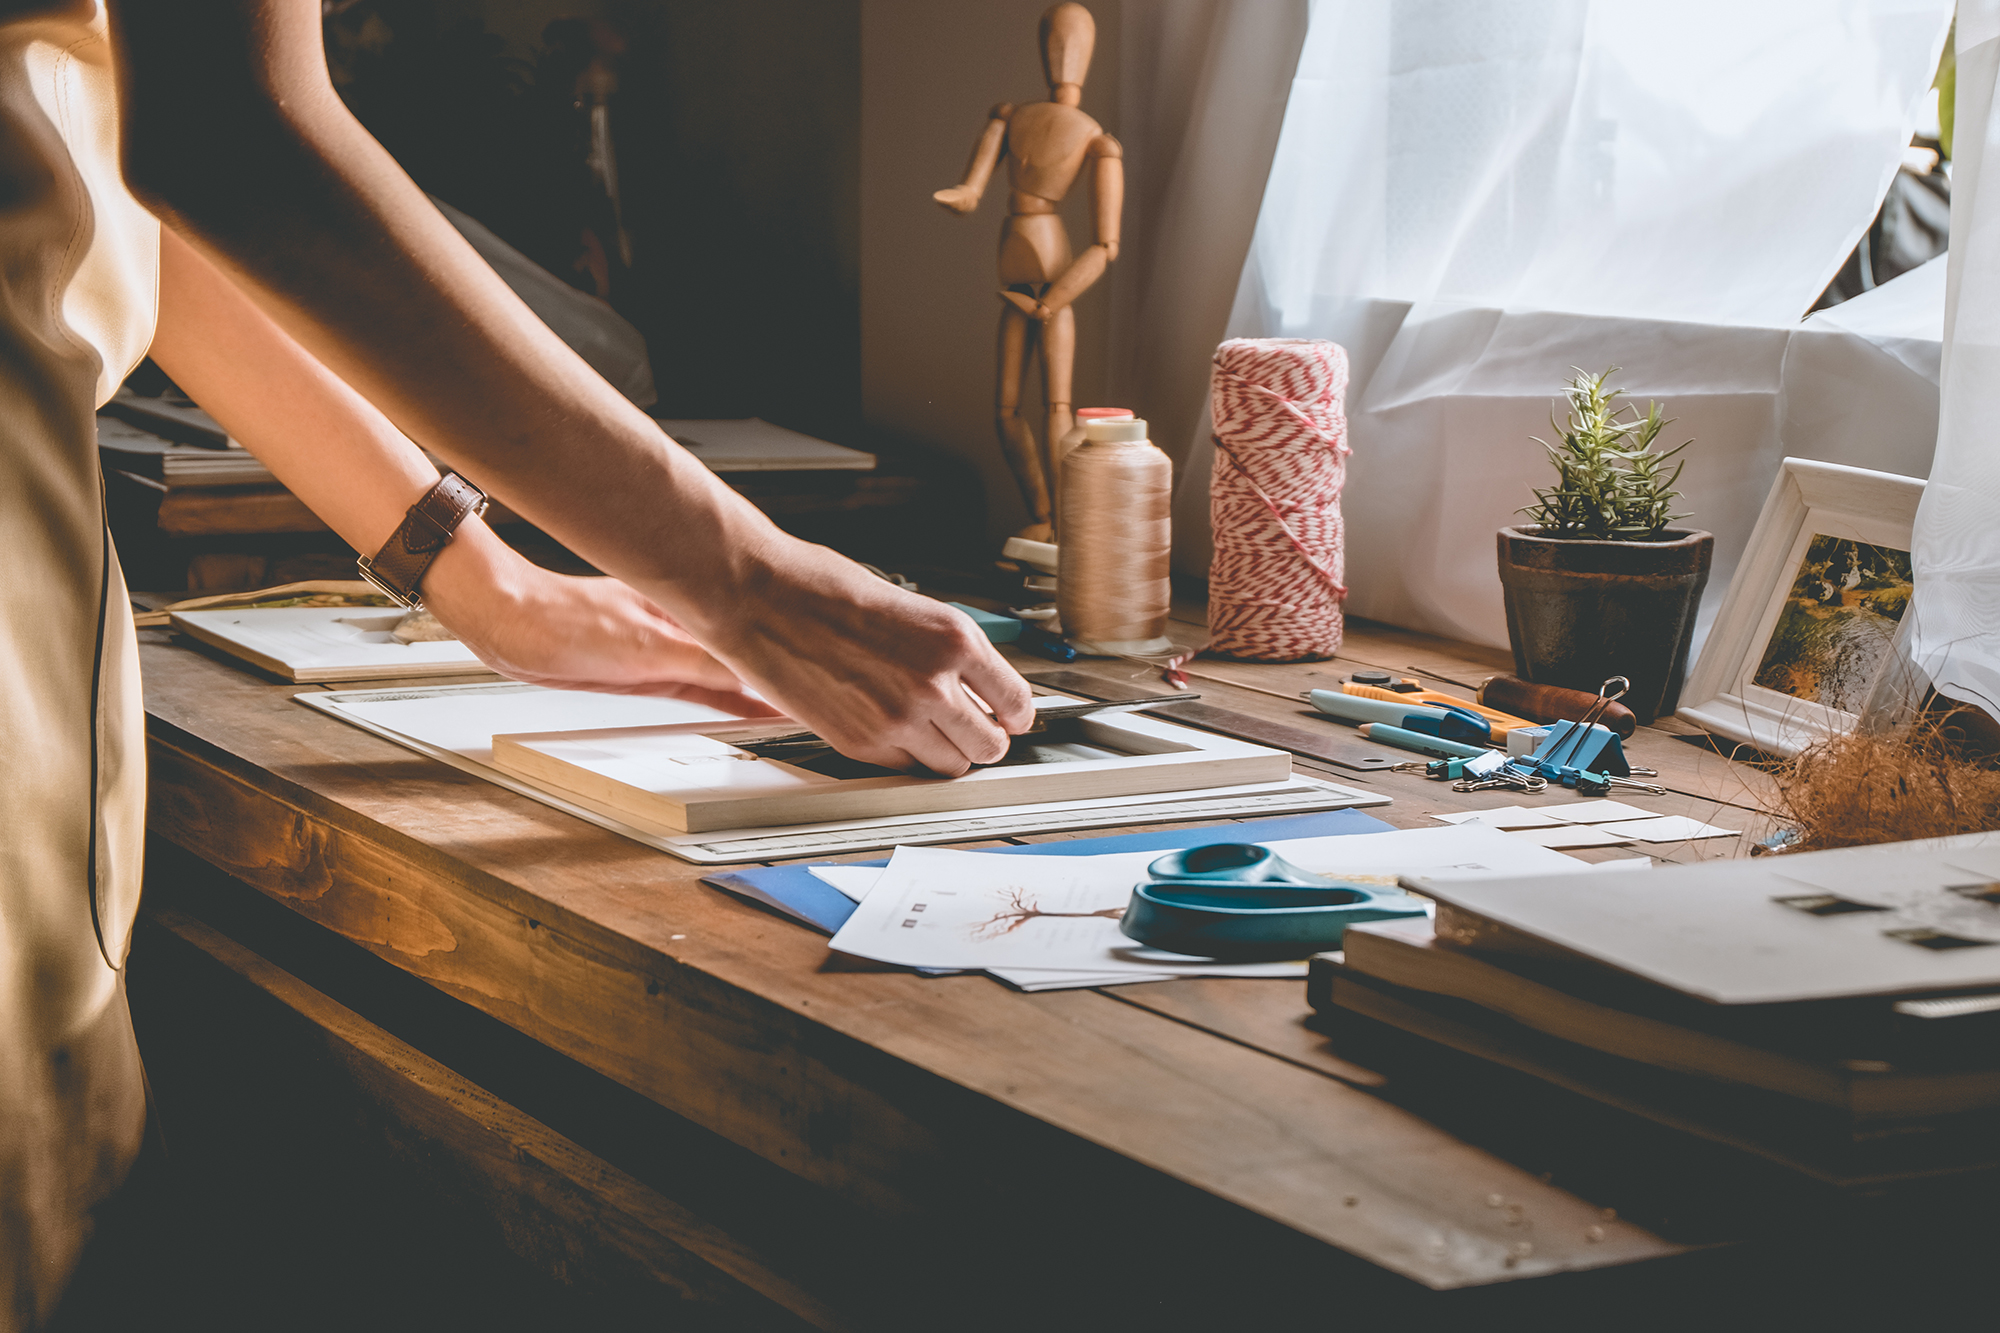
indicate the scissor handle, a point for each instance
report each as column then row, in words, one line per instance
column 1231, row 863
column 1248, row 922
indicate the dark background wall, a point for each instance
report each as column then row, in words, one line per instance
column 737, row 126
column 777, row 158
column 930, row 306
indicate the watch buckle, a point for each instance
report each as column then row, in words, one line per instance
column 382, row 585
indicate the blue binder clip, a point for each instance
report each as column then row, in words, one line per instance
column 1575, row 745
column 1584, row 754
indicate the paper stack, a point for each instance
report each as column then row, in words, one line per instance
column 1045, row 923
column 1836, row 1012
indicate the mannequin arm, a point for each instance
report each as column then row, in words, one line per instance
column 1107, row 192
column 233, row 134
column 965, row 196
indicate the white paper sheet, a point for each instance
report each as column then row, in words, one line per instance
column 934, row 908
column 1548, row 816
column 1036, row 979
column 1503, row 817
column 465, row 719
column 855, row 881
column 1667, row 828
column 1569, row 835
column 1596, row 812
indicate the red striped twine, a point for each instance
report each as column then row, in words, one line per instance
column 1276, row 583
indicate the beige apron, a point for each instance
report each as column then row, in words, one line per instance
column 79, row 277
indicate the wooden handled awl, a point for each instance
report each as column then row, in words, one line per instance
column 1552, row 703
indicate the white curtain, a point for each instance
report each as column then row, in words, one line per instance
column 1473, row 196
column 1955, row 612
column 1202, row 99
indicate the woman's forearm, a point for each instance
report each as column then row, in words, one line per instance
column 360, row 474
column 235, row 137
column 323, row 440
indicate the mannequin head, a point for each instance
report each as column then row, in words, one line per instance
column 1069, row 35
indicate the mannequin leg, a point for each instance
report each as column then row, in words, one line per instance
column 1017, row 437
column 1058, row 369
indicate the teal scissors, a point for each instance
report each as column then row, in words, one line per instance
column 1242, row 902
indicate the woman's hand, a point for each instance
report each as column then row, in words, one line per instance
column 881, row 674
column 571, row 633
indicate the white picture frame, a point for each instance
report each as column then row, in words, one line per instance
column 679, row 780
column 1813, row 508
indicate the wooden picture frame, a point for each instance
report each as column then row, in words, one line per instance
column 697, row 779
column 1792, row 658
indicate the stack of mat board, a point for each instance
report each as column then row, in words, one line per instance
column 1835, row 1012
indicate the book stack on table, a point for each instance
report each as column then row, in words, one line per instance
column 1837, row 1012
column 191, row 508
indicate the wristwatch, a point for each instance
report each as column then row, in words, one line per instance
column 398, row 568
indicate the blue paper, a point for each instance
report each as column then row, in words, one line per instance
column 803, row 896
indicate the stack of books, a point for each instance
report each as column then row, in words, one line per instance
column 191, row 508
column 1837, row 1012
column 174, row 443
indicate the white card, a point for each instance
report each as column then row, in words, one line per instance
column 852, row 881
column 1503, row 817
column 1596, row 812
column 1667, row 828
column 1574, row 835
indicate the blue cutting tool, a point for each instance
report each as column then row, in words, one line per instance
column 1242, row 902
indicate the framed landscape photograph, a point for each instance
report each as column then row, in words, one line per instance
column 1809, row 628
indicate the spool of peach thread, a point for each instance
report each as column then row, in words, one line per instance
column 1113, row 512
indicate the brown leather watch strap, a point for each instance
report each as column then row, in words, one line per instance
column 398, row 568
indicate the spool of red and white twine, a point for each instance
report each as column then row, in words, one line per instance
column 1277, row 581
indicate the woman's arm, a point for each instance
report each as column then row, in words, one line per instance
column 359, row 473
column 235, row 136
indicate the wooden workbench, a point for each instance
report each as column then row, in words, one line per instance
column 645, row 1086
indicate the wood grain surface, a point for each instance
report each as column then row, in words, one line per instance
column 905, row 1095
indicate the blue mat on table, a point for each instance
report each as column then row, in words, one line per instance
column 803, row 896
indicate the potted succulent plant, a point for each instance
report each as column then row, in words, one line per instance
column 1598, row 583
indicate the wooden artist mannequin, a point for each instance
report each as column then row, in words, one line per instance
column 1047, row 146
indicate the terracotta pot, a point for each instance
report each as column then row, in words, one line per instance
column 1580, row 611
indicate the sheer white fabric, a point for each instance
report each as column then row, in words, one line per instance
column 1202, row 99
column 1473, row 196
column 1955, row 612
